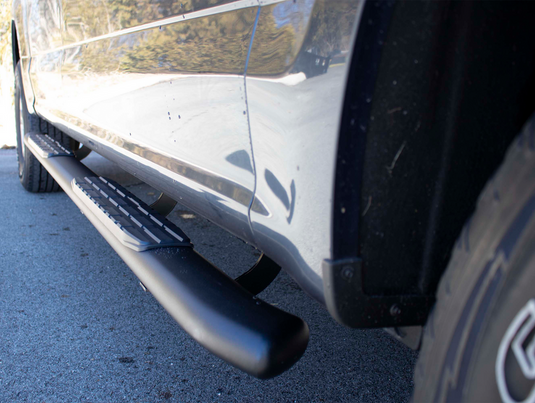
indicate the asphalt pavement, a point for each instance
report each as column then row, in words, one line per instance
column 76, row 326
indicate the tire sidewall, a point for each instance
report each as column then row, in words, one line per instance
column 516, row 292
column 23, row 154
column 459, row 358
column 484, row 286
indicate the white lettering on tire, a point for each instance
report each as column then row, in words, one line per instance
column 515, row 336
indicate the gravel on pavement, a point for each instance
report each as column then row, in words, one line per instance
column 76, row 326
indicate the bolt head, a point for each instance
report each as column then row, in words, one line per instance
column 395, row 310
column 348, row 272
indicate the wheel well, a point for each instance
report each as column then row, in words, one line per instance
column 454, row 83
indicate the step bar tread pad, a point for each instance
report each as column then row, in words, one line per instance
column 48, row 147
column 131, row 220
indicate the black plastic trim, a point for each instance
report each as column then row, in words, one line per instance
column 355, row 117
column 349, row 304
column 14, row 45
column 344, row 290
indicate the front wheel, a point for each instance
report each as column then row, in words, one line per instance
column 479, row 342
column 33, row 176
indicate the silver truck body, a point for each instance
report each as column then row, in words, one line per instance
column 231, row 107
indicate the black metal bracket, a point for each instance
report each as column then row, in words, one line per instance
column 350, row 305
column 262, row 274
column 164, row 205
column 82, row 152
column 256, row 279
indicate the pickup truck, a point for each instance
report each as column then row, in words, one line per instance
column 382, row 153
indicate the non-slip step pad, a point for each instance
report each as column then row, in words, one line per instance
column 47, row 146
column 132, row 221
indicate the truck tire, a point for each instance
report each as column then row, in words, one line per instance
column 33, row 177
column 479, row 343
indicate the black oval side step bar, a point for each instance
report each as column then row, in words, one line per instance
column 211, row 307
